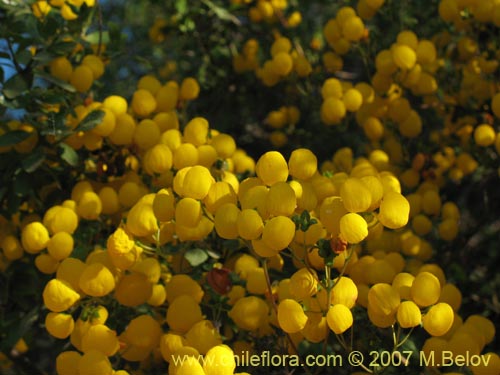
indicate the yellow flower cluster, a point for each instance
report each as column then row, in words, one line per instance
column 282, row 121
column 41, row 8
column 271, row 11
column 358, row 202
column 204, row 250
column 346, row 28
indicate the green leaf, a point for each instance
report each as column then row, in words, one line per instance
column 23, row 57
column 15, row 86
column 93, row 38
column 63, row 48
column 196, row 256
column 33, row 160
column 13, row 203
column 44, row 57
column 221, row 13
column 181, row 6
column 3, row 191
column 13, row 137
column 213, row 254
column 68, row 154
column 16, row 331
column 22, row 184
column 56, row 81
column 90, row 121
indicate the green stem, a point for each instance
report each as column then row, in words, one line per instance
column 405, row 338
column 275, row 308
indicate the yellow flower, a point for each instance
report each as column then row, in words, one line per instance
column 272, row 167
column 189, row 89
column 34, row 237
column 141, row 220
column 353, row 228
column 203, row 335
column 225, row 221
column 402, row 283
column 383, row 299
column 120, row 242
column 482, row 325
column 96, row 280
column 99, row 337
column 196, row 131
column 59, row 296
column 59, row 325
column 191, row 366
column 339, row 318
column 60, row 245
column 11, row 247
column 278, row 232
column 291, row 316
column 281, row 199
column 394, row 210
column 183, row 313
column 220, row 192
column 183, row 284
column 249, row 313
column 426, row 289
column 439, row 319
column 169, row 343
column 143, row 103
column 197, row 182
column 188, row 212
column 143, row 331
column 304, row 283
column 164, row 205
column 94, row 362
column 302, row 164
column 256, row 281
column 219, row 360
column 404, row 57
column 60, row 219
column 344, row 292
column 89, row 206
column 67, row 363
column 408, row 314
column 249, row 224
column 133, row 289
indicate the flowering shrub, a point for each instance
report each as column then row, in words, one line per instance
column 137, row 237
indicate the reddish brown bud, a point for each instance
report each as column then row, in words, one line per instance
column 338, row 245
column 219, row 280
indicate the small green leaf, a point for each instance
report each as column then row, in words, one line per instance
column 62, row 48
column 44, row 57
column 18, row 330
column 23, row 57
column 13, row 137
column 69, row 155
column 90, row 121
column 33, row 160
column 181, row 6
column 196, row 256
column 22, row 184
column 56, row 81
column 15, row 86
column 213, row 254
column 93, row 38
column 13, row 203
column 3, row 191
column 221, row 13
